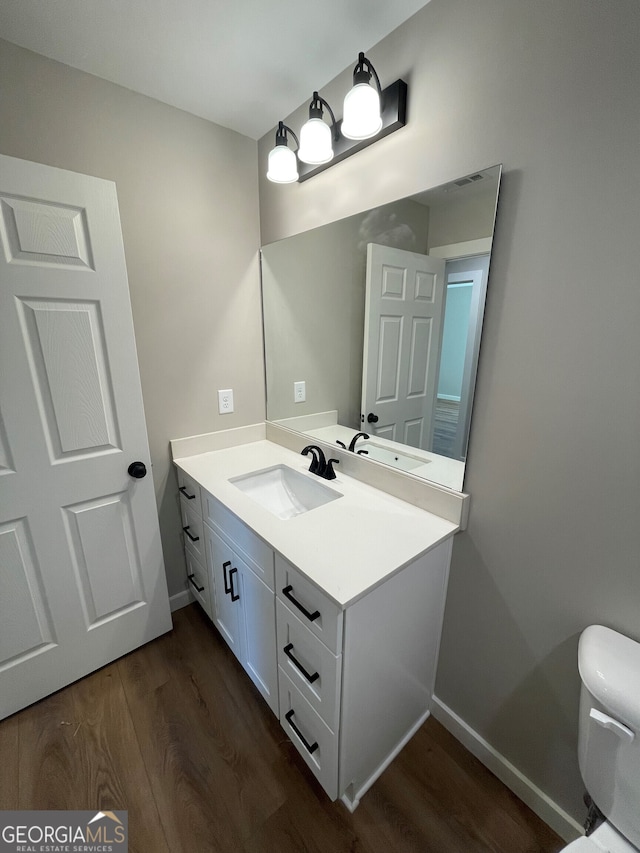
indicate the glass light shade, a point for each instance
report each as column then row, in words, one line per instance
column 282, row 167
column 315, row 142
column 361, row 112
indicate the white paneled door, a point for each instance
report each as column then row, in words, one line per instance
column 402, row 335
column 82, row 578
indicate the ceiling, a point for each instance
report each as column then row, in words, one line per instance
column 243, row 64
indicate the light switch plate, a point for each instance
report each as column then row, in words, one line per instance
column 299, row 392
column 225, row 401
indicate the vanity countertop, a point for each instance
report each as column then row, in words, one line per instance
column 439, row 469
column 346, row 547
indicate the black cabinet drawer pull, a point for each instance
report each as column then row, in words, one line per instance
column 227, row 586
column 191, row 581
column 186, row 494
column 310, row 747
column 310, row 616
column 234, row 596
column 298, row 665
column 193, row 538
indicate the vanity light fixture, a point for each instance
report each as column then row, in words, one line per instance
column 282, row 164
column 316, row 137
column 370, row 113
column 361, row 116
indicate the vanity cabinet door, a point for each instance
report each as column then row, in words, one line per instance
column 260, row 656
column 244, row 613
column 225, row 583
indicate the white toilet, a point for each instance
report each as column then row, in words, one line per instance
column 609, row 738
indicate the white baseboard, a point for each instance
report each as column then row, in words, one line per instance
column 180, row 599
column 537, row 800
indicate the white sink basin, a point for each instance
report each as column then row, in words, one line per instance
column 284, row 491
column 404, row 461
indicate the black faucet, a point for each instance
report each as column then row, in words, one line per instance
column 352, row 446
column 319, row 464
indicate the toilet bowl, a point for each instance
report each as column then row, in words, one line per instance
column 609, row 738
column 605, row 839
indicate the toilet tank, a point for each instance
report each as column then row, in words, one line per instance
column 609, row 733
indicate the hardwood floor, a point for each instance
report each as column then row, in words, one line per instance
column 176, row 733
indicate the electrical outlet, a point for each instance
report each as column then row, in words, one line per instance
column 225, row 401
column 299, row 392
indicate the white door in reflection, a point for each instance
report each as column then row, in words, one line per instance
column 403, row 330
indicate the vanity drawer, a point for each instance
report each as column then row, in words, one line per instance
column 190, row 490
column 314, row 609
column 193, row 530
column 198, row 581
column 240, row 537
column 309, row 664
column 311, row 736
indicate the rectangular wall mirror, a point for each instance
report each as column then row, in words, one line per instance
column 372, row 324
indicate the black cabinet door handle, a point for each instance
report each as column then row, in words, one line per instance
column 298, row 665
column 193, row 538
column 191, row 580
column 186, row 494
column 234, row 596
column 310, row 747
column 227, row 585
column 310, row 616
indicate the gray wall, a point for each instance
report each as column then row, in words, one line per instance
column 313, row 301
column 187, row 191
column 550, row 90
column 458, row 219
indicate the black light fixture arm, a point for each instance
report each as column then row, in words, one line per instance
column 315, row 111
column 362, row 75
column 281, row 134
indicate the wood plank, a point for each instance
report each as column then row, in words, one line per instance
column 78, row 750
column 456, row 809
column 250, row 705
column 177, row 734
column 513, row 818
column 50, row 755
column 9, row 761
column 146, row 667
column 209, row 775
column 307, row 821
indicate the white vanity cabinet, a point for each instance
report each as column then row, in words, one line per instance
column 241, row 578
column 342, row 637
column 356, row 684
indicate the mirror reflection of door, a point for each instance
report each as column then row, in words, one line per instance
column 466, row 282
column 403, row 329
column 421, row 342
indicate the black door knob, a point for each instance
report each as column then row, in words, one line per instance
column 138, row 470
column 371, row 418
